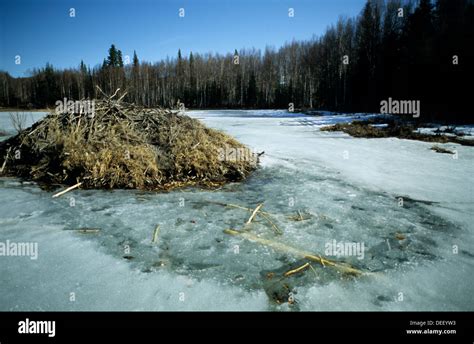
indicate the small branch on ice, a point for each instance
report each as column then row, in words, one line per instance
column 295, row 271
column 254, row 213
column 155, row 234
column 67, row 190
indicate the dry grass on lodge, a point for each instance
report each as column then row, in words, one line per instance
column 123, row 146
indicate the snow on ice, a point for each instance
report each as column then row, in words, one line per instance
column 410, row 208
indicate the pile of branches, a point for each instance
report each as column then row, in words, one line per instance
column 365, row 129
column 122, row 145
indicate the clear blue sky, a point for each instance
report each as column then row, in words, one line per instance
column 42, row 31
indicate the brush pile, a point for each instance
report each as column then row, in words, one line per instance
column 123, row 146
column 393, row 128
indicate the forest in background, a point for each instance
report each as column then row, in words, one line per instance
column 400, row 49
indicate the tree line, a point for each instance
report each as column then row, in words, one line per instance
column 400, row 49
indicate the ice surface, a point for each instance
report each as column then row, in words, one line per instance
column 29, row 118
column 348, row 188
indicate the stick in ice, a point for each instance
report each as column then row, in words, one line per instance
column 296, row 252
column 67, row 190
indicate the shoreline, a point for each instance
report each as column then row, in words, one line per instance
column 23, row 110
column 304, row 111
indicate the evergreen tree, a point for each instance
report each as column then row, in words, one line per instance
column 135, row 77
column 135, row 59
column 83, row 68
column 112, row 59
column 367, row 45
column 421, row 62
column 252, row 91
column 179, row 78
column 119, row 59
column 192, row 82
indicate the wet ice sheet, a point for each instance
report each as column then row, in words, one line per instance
column 303, row 169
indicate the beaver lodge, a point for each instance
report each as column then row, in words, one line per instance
column 124, row 146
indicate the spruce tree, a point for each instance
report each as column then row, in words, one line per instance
column 252, row 91
column 119, row 59
column 112, row 59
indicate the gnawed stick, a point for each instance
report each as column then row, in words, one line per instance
column 274, row 226
column 264, row 214
column 229, row 205
column 5, row 161
column 278, row 246
column 122, row 96
column 295, row 271
column 67, row 190
column 155, row 234
column 299, row 216
column 254, row 213
column 87, row 230
column 311, row 267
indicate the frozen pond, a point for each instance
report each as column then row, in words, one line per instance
column 410, row 207
column 27, row 118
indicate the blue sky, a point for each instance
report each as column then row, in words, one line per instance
column 41, row 31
